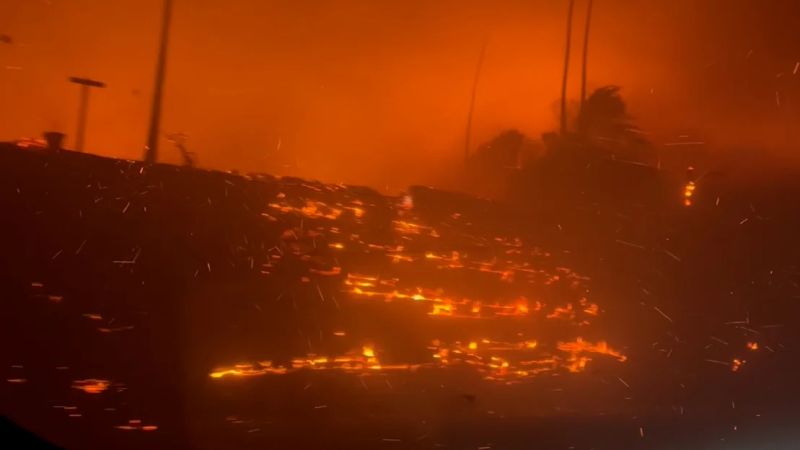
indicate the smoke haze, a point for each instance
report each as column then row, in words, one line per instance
column 377, row 92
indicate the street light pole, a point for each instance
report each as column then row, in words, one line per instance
column 83, row 107
column 151, row 149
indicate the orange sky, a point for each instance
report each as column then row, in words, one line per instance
column 377, row 92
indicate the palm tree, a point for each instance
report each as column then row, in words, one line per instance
column 585, row 52
column 605, row 123
column 472, row 102
column 563, row 127
column 604, row 113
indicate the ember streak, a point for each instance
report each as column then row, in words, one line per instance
column 515, row 272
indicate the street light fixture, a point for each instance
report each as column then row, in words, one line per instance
column 83, row 108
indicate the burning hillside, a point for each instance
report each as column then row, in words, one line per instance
column 155, row 306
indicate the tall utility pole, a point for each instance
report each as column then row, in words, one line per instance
column 151, row 149
column 468, row 136
column 83, row 107
column 563, row 127
column 585, row 53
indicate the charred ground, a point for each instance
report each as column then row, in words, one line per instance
column 162, row 307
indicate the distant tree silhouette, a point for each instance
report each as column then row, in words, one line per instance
column 493, row 164
column 604, row 113
column 605, row 123
column 504, row 151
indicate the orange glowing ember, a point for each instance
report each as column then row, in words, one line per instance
column 580, row 346
column 31, row 143
column 516, row 361
column 91, row 386
column 368, row 351
column 136, row 425
column 248, row 370
column 688, row 193
column 315, row 210
column 506, row 361
column 363, row 361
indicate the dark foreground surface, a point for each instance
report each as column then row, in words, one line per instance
column 159, row 307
